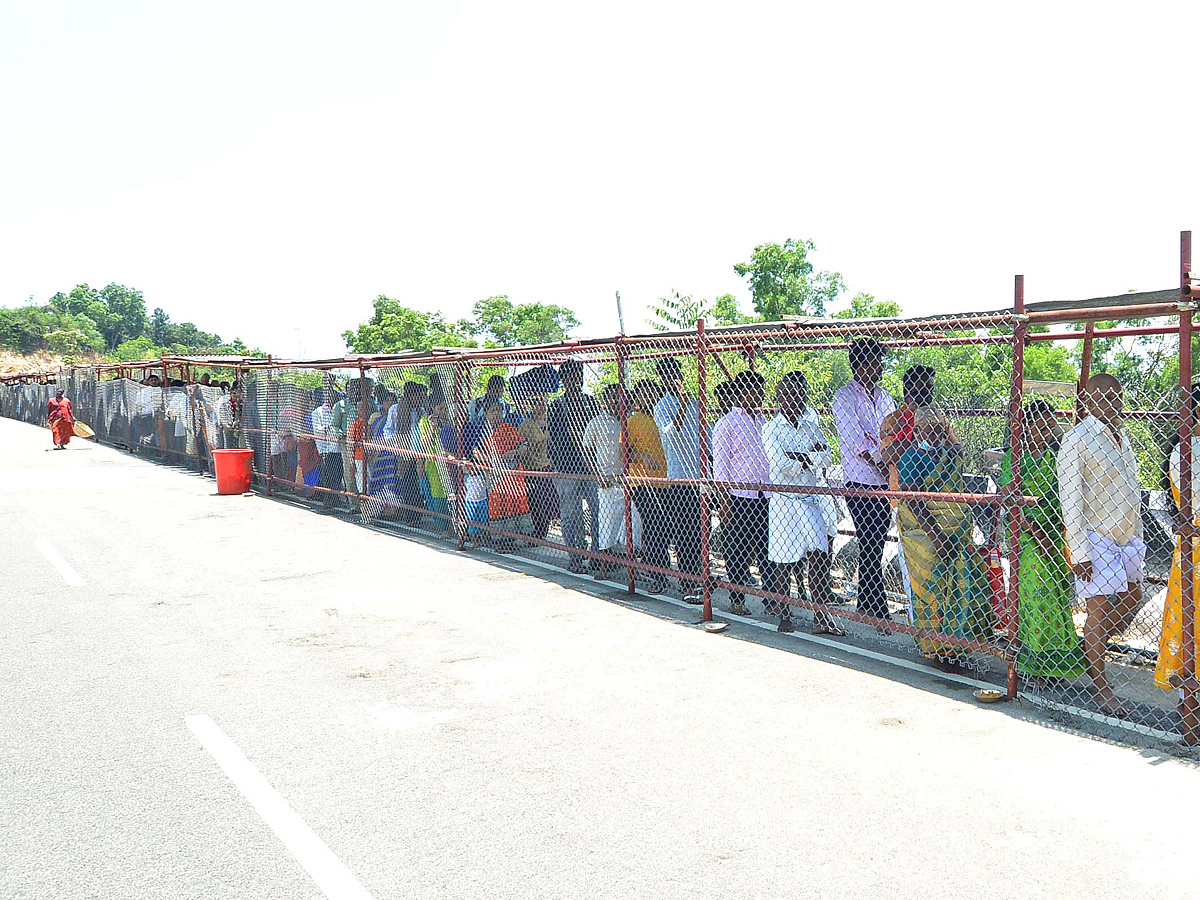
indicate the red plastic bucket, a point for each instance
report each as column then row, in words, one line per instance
column 233, row 470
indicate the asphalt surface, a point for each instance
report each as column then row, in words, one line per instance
column 450, row 727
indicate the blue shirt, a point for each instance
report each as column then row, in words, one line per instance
column 681, row 445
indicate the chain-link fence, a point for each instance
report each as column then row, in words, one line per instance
column 996, row 495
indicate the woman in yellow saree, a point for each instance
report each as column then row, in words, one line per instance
column 1169, row 670
column 950, row 592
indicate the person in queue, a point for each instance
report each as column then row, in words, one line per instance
column 647, row 459
column 800, row 526
column 738, row 457
column 494, row 496
column 494, row 391
column 289, row 431
column 436, row 470
column 1102, row 515
column 356, row 436
column 859, row 408
column 601, row 446
column 149, row 404
column 1050, row 648
column 535, row 432
column 330, row 466
column 1171, row 669
column 950, row 590
column 566, row 421
column 677, row 415
column 381, row 459
column 724, row 399
column 345, row 412
column 60, row 419
column 403, row 431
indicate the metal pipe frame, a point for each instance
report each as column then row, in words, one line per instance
column 1187, row 536
column 622, row 378
column 705, row 513
column 1014, row 513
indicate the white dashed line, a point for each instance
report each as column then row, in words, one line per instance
column 69, row 575
column 321, row 863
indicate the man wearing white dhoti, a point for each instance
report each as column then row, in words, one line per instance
column 800, row 525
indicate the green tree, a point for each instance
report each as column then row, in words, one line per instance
column 784, row 282
column 727, row 311
column 865, row 306
column 159, row 328
column 119, row 312
column 126, row 312
column 677, row 312
column 394, row 328
column 24, row 330
column 137, row 348
column 505, row 324
column 680, row 312
column 75, row 302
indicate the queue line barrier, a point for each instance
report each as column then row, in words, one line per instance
column 972, row 549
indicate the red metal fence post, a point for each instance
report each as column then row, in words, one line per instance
column 1020, row 334
column 265, row 426
column 705, row 514
column 360, row 481
column 461, row 384
column 1085, row 368
column 621, row 379
column 1188, row 649
column 162, row 419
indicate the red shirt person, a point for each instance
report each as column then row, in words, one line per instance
column 61, row 420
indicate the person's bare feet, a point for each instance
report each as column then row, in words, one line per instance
column 823, row 623
column 1110, row 704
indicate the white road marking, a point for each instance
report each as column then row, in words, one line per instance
column 69, row 575
column 321, row 864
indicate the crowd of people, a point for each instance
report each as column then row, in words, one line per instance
column 187, row 420
column 625, row 471
column 542, row 449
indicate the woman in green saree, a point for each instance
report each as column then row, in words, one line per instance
column 1049, row 645
column 950, row 591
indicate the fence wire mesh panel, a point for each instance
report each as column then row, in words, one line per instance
column 1099, row 594
column 1001, row 496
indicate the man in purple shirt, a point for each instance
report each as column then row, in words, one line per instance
column 738, row 456
column 858, row 410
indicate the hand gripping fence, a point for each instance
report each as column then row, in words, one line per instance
column 1007, row 496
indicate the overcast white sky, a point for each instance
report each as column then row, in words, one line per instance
column 259, row 168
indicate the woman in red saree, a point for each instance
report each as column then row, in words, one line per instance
column 508, row 498
column 60, row 419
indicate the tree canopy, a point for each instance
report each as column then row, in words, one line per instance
column 783, row 281
column 505, row 324
column 680, row 312
column 111, row 321
column 394, row 327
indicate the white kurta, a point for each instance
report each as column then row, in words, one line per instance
column 799, row 524
column 612, row 517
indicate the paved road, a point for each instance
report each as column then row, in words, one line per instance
column 446, row 727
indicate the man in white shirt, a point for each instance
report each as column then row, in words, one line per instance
column 601, row 445
column 1101, row 503
column 859, row 407
column 739, row 458
column 800, row 526
column 327, row 446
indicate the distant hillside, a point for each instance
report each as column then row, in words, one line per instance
column 15, row 364
column 110, row 322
